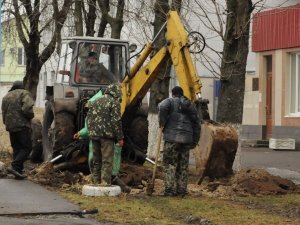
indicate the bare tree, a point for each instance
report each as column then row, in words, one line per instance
column 116, row 22
column 233, row 67
column 28, row 16
column 78, row 17
column 90, row 18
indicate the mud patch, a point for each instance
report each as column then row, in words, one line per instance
column 252, row 182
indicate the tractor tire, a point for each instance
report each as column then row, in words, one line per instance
column 58, row 130
column 138, row 133
column 36, row 140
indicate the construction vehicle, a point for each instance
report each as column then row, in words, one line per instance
column 66, row 106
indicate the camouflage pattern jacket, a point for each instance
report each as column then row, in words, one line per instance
column 17, row 110
column 104, row 116
column 96, row 73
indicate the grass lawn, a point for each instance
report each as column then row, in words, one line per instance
column 190, row 210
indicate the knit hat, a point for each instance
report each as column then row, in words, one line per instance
column 177, row 91
column 17, row 85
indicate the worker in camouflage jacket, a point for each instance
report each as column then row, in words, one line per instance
column 105, row 128
column 180, row 123
column 17, row 112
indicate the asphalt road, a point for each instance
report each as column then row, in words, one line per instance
column 20, row 198
column 280, row 163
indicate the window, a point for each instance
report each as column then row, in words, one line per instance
column 64, row 65
column 294, row 106
column 2, row 57
column 100, row 63
column 21, row 57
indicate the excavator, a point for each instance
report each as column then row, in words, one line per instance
column 65, row 108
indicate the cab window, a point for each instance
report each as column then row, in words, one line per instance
column 100, row 63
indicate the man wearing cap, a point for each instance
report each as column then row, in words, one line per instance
column 94, row 72
column 179, row 119
column 17, row 112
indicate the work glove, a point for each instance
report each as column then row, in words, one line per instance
column 76, row 136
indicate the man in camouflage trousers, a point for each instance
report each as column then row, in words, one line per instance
column 105, row 127
column 179, row 119
column 17, row 112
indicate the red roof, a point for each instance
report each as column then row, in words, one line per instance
column 276, row 29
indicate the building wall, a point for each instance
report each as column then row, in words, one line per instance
column 284, row 124
column 11, row 70
column 251, row 101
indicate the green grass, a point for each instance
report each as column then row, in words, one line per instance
column 166, row 210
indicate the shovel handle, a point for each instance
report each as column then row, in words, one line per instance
column 56, row 158
column 157, row 154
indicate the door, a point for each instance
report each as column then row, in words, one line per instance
column 268, row 132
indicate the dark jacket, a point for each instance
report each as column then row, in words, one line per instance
column 17, row 109
column 178, row 116
column 104, row 115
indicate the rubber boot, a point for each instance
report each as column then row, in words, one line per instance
column 117, row 181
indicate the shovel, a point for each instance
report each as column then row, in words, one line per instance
column 47, row 166
column 150, row 185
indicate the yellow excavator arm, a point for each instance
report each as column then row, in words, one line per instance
column 136, row 84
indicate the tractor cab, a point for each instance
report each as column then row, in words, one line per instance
column 91, row 61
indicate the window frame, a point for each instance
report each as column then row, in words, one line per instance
column 294, row 85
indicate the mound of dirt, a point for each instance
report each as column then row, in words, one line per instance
column 45, row 175
column 134, row 174
column 258, row 181
column 253, row 182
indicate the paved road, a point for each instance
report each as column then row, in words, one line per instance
column 281, row 163
column 26, row 197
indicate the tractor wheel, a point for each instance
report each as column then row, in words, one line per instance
column 138, row 133
column 36, row 140
column 58, row 130
column 136, row 136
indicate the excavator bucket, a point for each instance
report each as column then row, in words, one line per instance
column 216, row 151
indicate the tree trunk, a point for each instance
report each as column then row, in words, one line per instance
column 116, row 22
column 78, row 18
column 91, row 18
column 233, row 67
column 102, row 27
column 160, row 88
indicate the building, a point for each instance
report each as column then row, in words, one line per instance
column 13, row 60
column 272, row 93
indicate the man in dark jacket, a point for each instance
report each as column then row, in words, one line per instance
column 17, row 112
column 105, row 127
column 179, row 119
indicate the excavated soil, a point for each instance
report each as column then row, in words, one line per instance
column 251, row 182
column 247, row 182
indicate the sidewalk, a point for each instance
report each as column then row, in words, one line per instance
column 19, row 197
